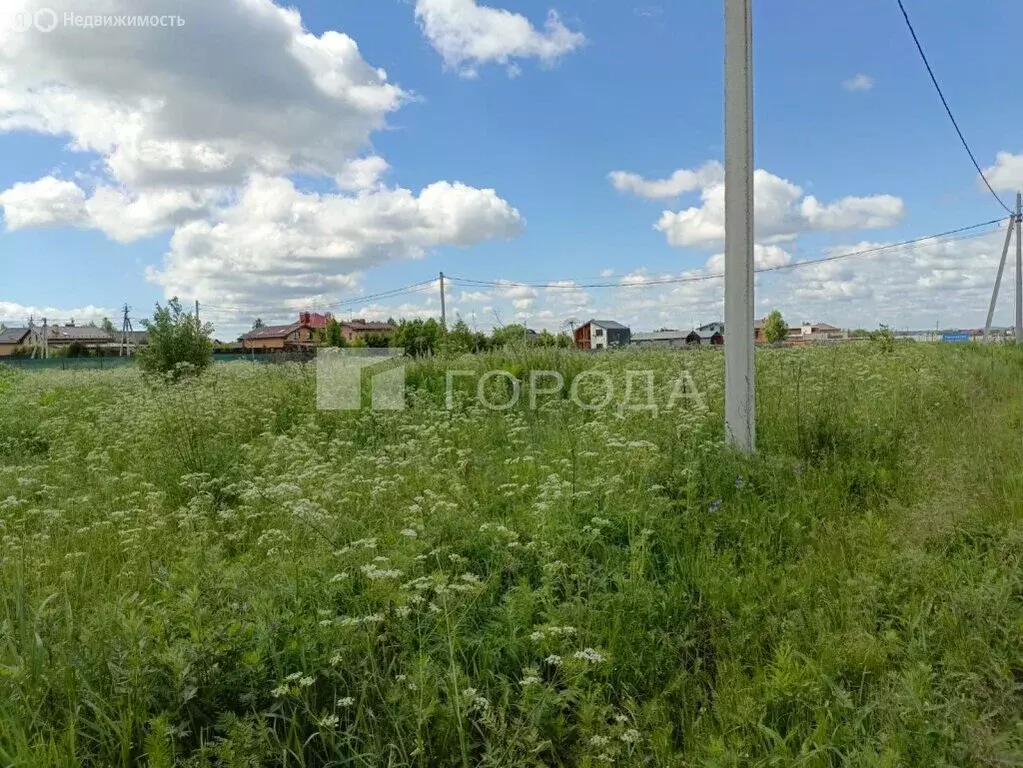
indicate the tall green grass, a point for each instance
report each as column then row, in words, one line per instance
column 218, row 574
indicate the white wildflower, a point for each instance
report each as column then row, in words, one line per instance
column 588, row 654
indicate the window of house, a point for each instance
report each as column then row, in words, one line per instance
column 599, row 332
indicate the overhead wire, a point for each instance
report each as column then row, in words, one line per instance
column 942, row 237
column 948, row 109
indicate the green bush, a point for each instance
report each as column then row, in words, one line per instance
column 178, row 344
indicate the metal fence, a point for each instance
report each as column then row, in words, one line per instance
column 68, row 363
column 110, row 363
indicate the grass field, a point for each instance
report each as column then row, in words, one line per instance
column 218, row 574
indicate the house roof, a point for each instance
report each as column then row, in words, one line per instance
column 78, row 333
column 608, row 325
column 716, row 325
column 660, row 335
column 824, row 327
column 314, row 319
column 708, row 334
column 13, row 335
column 364, row 325
column 273, row 331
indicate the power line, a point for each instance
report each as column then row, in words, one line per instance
column 942, row 237
column 949, row 109
column 404, row 290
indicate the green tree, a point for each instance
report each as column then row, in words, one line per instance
column 459, row 339
column 509, row 335
column 775, row 328
column 257, row 324
column 107, row 325
column 333, row 336
column 178, row 344
column 883, row 338
column 418, row 337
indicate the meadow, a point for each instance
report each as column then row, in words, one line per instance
column 216, row 573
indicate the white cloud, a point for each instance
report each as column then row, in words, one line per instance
column 467, row 34
column 15, row 315
column 1006, row 175
column 278, row 242
column 872, row 212
column 860, row 82
column 198, row 138
column 680, row 182
column 362, row 174
column 41, row 203
column 175, row 106
column 567, row 294
column 764, row 257
column 781, row 213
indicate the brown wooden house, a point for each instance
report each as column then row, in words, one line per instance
column 280, row 338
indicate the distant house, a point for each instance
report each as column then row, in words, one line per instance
column 802, row 334
column 660, row 339
column 711, row 328
column 360, row 329
column 60, row 336
column 710, row 336
column 13, row 338
column 280, row 338
column 314, row 320
column 601, row 334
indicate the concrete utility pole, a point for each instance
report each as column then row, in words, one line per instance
column 1019, row 270
column 443, row 307
column 740, row 389
column 998, row 280
column 125, row 333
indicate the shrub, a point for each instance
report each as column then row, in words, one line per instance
column 775, row 329
column 178, row 343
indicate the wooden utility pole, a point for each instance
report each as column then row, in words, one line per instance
column 740, row 389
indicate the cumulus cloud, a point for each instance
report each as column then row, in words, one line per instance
column 858, row 83
column 680, row 182
column 203, row 139
column 46, row 202
column 15, row 315
column 176, row 106
column 1006, row 175
column 279, row 242
column 467, row 35
column 781, row 212
column 764, row 257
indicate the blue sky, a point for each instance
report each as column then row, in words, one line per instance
column 531, row 121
